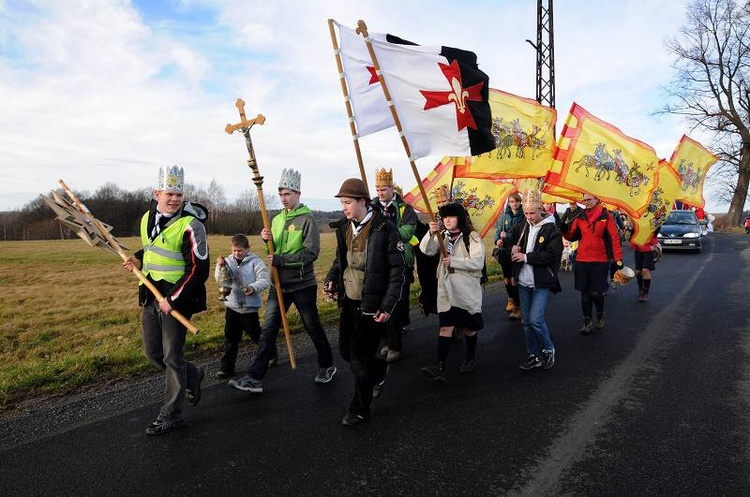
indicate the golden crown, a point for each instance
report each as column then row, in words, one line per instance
column 383, row 177
column 171, row 179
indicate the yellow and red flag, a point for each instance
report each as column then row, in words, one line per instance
column 483, row 199
column 524, row 133
column 597, row 158
column 659, row 205
column 692, row 162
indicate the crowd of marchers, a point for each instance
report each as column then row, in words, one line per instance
column 379, row 243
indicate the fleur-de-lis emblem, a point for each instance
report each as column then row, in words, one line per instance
column 457, row 96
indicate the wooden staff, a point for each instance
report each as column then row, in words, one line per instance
column 362, row 29
column 244, row 127
column 347, row 101
column 113, row 243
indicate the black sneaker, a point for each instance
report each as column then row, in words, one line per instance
column 273, row 361
column 325, row 375
column 436, row 371
column 531, row 362
column 599, row 325
column 586, row 328
column 194, row 396
column 468, row 366
column 161, row 427
column 548, row 359
column 352, row 419
column 223, row 375
column 377, row 389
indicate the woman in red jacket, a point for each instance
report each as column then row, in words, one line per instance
column 599, row 244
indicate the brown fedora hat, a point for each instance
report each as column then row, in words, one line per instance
column 354, row 188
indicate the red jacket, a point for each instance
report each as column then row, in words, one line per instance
column 592, row 246
column 645, row 247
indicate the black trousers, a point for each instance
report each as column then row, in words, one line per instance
column 400, row 318
column 359, row 337
column 235, row 323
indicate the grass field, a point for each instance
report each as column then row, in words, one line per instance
column 70, row 317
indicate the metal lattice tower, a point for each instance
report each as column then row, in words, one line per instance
column 545, row 54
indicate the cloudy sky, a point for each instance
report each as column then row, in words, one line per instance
column 110, row 90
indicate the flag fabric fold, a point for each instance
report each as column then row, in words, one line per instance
column 440, row 95
column 483, row 199
column 668, row 187
column 692, row 161
column 595, row 157
column 524, row 135
column 369, row 106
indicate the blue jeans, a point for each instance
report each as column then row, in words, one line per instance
column 305, row 301
column 533, row 305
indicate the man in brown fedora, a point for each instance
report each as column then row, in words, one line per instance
column 367, row 277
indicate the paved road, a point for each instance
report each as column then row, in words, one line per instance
column 656, row 404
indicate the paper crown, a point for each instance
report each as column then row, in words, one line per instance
column 171, row 179
column 442, row 195
column 290, row 179
column 383, row 177
column 532, row 198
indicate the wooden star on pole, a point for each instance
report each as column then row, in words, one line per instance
column 82, row 225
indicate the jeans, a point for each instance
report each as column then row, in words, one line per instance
column 305, row 301
column 359, row 336
column 533, row 305
column 164, row 346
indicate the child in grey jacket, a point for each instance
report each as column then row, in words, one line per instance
column 249, row 278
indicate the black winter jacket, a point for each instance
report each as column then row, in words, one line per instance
column 384, row 265
column 546, row 256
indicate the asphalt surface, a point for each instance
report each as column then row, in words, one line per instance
column 655, row 404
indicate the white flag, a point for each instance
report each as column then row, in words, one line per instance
column 371, row 112
column 440, row 95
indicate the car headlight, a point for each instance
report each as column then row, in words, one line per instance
column 691, row 235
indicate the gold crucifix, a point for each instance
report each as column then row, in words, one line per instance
column 244, row 124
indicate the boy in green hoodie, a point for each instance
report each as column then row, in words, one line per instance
column 296, row 241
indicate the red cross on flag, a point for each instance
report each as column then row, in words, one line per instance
column 369, row 107
column 440, row 95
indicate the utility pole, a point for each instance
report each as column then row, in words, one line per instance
column 545, row 54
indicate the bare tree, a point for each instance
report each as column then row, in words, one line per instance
column 710, row 89
column 216, row 199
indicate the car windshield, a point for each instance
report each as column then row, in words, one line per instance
column 677, row 217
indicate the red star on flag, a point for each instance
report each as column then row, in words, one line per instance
column 373, row 75
column 458, row 95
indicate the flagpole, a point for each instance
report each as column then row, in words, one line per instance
column 244, row 127
column 362, row 29
column 113, row 243
column 348, row 102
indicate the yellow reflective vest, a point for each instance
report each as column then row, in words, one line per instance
column 162, row 257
